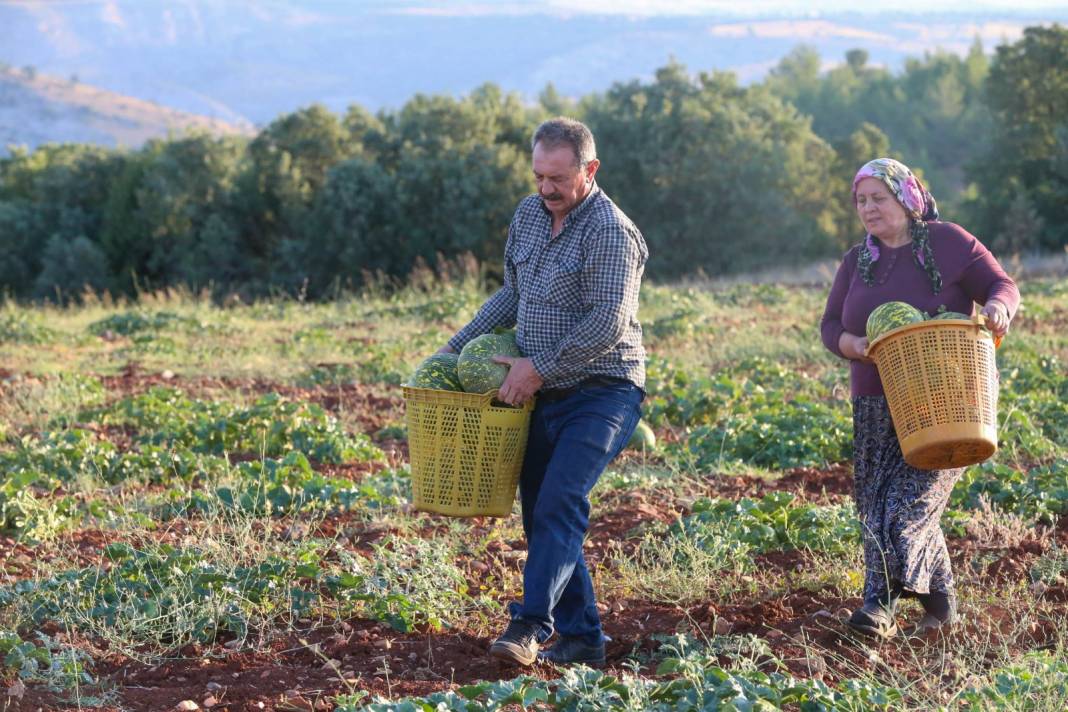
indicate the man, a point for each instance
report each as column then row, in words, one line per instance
column 573, row 266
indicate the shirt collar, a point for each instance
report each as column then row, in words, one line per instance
column 579, row 209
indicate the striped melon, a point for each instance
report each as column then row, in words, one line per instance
column 438, row 372
column 951, row 315
column 889, row 316
column 478, row 373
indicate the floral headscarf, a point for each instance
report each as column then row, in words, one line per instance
column 920, row 206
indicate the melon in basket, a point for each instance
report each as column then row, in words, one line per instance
column 889, row 316
column 437, row 372
column 476, row 368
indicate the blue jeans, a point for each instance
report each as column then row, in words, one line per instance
column 571, row 442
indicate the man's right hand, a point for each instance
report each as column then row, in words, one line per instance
column 446, row 349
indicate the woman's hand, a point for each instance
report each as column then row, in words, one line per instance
column 997, row 317
column 853, row 347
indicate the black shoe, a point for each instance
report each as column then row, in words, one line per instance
column 873, row 618
column 568, row 650
column 518, row 644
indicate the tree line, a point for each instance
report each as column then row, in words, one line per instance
column 720, row 177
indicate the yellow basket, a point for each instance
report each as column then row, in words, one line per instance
column 941, row 385
column 466, row 452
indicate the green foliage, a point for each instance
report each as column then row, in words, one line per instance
column 1037, row 681
column 660, row 140
column 272, row 426
column 773, row 523
column 135, row 321
column 1023, row 189
column 23, row 327
column 758, row 412
column 691, row 680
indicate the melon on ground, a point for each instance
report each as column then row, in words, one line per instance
column 890, row 316
column 951, row 315
column 477, row 371
column 438, row 372
column 643, row 437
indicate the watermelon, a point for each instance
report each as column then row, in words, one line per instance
column 952, row 315
column 478, row 373
column 889, row 316
column 643, row 437
column 437, row 372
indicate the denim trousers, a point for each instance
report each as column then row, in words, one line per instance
column 571, row 441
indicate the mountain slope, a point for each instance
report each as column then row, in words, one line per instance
column 36, row 109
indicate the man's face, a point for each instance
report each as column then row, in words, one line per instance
column 562, row 183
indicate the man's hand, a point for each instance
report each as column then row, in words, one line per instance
column 446, row 349
column 997, row 317
column 522, row 382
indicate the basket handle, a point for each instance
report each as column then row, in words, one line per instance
column 982, row 321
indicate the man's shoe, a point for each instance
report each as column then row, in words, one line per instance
column 518, row 644
column 873, row 619
column 574, row 650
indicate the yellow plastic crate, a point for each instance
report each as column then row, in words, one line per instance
column 466, row 452
column 940, row 380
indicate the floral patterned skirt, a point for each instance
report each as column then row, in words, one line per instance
column 899, row 508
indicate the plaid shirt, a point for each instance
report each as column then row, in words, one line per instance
column 573, row 297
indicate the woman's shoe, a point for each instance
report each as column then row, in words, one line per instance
column 930, row 623
column 874, row 619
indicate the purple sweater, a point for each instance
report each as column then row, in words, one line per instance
column 969, row 274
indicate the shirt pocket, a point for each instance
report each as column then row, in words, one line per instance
column 564, row 286
column 524, row 267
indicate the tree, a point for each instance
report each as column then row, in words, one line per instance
column 719, row 178
column 1026, row 165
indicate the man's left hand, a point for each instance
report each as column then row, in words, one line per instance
column 521, row 383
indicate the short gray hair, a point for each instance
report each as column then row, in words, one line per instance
column 563, row 131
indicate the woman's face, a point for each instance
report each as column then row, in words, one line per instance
column 879, row 210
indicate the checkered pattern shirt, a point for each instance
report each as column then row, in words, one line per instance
column 573, row 298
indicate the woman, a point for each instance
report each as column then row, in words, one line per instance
column 908, row 256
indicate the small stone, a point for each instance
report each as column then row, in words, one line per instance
column 17, row 690
column 723, row 626
column 187, row 706
column 209, row 702
column 413, row 656
column 1038, row 588
column 384, row 643
column 214, row 686
column 823, row 613
column 774, row 635
column 816, row 664
column 167, row 375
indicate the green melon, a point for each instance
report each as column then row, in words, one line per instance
column 478, row 373
column 438, row 372
column 889, row 316
column 643, row 437
column 951, row 315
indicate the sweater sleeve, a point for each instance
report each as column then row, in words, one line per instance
column 831, row 327
column 984, row 278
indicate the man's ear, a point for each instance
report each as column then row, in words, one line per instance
column 591, row 169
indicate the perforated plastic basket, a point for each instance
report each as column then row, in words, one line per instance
column 466, row 453
column 941, row 385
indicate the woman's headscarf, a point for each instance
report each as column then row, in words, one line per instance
column 920, row 207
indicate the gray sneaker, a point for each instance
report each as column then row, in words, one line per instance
column 574, row 650
column 518, row 644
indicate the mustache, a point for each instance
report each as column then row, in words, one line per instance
column 552, row 196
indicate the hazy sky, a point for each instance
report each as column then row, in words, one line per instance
column 748, row 8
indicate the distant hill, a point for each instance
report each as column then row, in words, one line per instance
column 37, row 108
column 252, row 60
